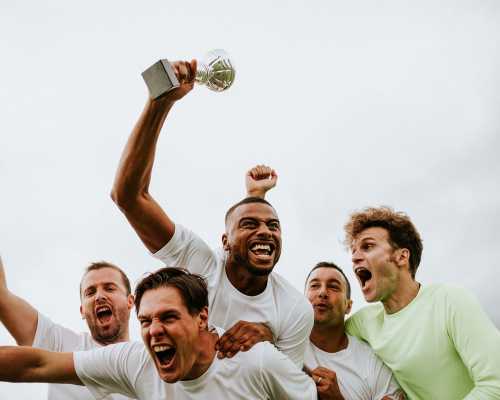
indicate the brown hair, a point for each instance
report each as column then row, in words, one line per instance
column 402, row 232
column 191, row 287
column 104, row 264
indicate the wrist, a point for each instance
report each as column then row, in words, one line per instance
column 256, row 193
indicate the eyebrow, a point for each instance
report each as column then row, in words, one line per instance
column 328, row 281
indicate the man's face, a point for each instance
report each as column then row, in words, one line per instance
column 253, row 237
column 105, row 305
column 326, row 290
column 170, row 333
column 374, row 264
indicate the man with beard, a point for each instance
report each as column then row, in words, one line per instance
column 177, row 360
column 436, row 339
column 105, row 305
column 341, row 363
column 246, row 298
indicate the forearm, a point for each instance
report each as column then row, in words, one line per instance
column 26, row 364
column 19, row 317
column 134, row 171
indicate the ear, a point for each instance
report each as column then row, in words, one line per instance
column 81, row 312
column 402, row 257
column 130, row 301
column 349, row 307
column 225, row 242
column 203, row 319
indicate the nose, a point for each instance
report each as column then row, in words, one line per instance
column 322, row 292
column 264, row 230
column 356, row 257
column 156, row 329
column 100, row 295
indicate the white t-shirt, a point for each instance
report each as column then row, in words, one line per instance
column 361, row 375
column 54, row 337
column 260, row 373
column 283, row 308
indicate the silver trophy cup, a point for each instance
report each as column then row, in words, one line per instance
column 215, row 71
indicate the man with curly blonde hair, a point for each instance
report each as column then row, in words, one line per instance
column 436, row 339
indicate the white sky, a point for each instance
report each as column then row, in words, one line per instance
column 354, row 103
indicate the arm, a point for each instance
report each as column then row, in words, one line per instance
column 18, row 316
column 131, row 187
column 259, row 180
column 476, row 340
column 242, row 337
column 27, row 364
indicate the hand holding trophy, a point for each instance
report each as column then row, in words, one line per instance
column 215, row 71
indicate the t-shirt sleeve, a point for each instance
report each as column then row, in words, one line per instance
column 476, row 340
column 54, row 337
column 187, row 250
column 281, row 379
column 111, row 369
column 354, row 326
column 293, row 339
column 382, row 383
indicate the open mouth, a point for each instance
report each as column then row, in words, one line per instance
column 363, row 275
column 165, row 354
column 104, row 314
column 262, row 249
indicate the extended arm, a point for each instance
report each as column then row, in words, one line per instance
column 18, row 316
column 27, row 364
column 259, row 180
column 131, row 187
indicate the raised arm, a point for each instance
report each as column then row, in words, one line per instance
column 259, row 180
column 131, row 187
column 18, row 316
column 27, row 364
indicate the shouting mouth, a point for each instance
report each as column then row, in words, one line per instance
column 262, row 250
column 165, row 355
column 104, row 314
column 364, row 276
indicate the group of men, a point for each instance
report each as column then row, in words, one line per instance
column 221, row 324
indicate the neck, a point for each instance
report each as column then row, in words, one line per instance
column 243, row 280
column 406, row 290
column 329, row 338
column 206, row 354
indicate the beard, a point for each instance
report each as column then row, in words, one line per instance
column 111, row 333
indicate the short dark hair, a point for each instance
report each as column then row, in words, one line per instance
column 325, row 264
column 402, row 232
column 104, row 264
column 246, row 200
column 191, row 287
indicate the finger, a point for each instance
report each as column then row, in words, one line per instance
column 225, row 343
column 193, row 66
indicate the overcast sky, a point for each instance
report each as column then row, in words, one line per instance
column 354, row 103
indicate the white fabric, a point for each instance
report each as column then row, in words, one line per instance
column 260, row 373
column 361, row 375
column 283, row 308
column 54, row 337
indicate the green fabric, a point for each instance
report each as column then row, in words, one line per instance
column 440, row 346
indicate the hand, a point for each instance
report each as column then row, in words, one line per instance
column 326, row 384
column 185, row 72
column 259, row 180
column 242, row 337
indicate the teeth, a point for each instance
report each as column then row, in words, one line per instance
column 159, row 348
column 261, row 247
column 105, row 308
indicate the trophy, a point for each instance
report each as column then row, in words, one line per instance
column 215, row 71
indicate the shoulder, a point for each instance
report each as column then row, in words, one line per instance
column 366, row 313
column 286, row 295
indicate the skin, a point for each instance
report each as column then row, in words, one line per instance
column 152, row 224
column 326, row 290
column 105, row 287
column 165, row 320
column 391, row 281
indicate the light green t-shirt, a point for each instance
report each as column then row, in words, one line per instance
column 441, row 346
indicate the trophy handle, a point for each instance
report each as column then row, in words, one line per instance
column 160, row 78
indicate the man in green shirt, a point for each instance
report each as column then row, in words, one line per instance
column 436, row 339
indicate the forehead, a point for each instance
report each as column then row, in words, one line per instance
column 325, row 274
column 100, row 276
column 161, row 299
column 252, row 210
column 375, row 232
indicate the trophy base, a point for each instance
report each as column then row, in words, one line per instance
column 160, row 79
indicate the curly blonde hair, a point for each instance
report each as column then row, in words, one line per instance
column 402, row 232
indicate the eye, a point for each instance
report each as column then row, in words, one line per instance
column 145, row 323
column 248, row 224
column 274, row 225
column 89, row 292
